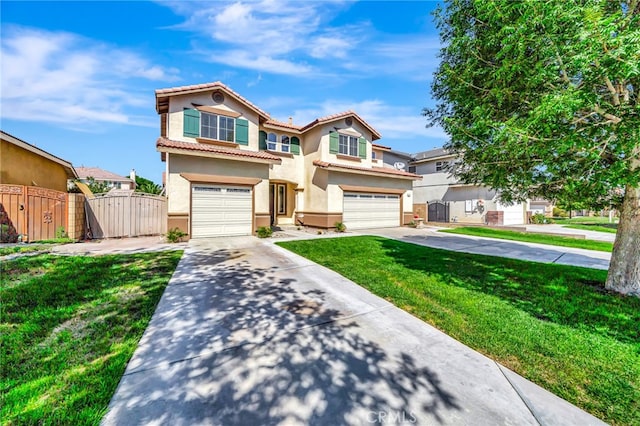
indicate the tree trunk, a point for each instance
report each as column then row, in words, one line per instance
column 624, row 270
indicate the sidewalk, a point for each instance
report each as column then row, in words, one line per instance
column 494, row 247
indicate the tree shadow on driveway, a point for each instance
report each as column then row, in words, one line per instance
column 236, row 340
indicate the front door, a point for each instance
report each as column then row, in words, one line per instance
column 277, row 201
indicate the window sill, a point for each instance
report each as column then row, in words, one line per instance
column 280, row 153
column 217, row 142
column 349, row 158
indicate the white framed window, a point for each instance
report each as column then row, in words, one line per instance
column 348, row 145
column 272, row 141
column 441, row 166
column 285, row 143
column 281, row 143
column 218, row 127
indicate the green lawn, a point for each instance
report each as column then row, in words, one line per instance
column 24, row 248
column 584, row 220
column 553, row 324
column 69, row 325
column 604, row 227
column 532, row 237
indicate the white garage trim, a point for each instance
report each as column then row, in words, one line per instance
column 221, row 210
column 370, row 210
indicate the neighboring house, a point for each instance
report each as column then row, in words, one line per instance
column 464, row 203
column 231, row 168
column 112, row 180
column 24, row 164
column 540, row 205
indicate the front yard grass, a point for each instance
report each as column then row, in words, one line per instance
column 532, row 237
column 69, row 325
column 553, row 324
column 611, row 228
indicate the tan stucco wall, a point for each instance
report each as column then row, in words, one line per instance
column 177, row 104
column 179, row 189
column 21, row 167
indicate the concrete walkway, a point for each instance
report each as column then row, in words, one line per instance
column 430, row 237
column 562, row 229
column 248, row 333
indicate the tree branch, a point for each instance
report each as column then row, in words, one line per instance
column 614, row 92
column 612, row 118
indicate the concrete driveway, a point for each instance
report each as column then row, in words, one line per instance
column 247, row 333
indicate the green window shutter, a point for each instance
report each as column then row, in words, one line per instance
column 262, row 139
column 242, row 131
column 362, row 148
column 333, row 142
column 295, row 145
column 191, row 121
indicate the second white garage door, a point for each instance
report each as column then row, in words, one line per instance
column 220, row 210
column 363, row 210
column 513, row 215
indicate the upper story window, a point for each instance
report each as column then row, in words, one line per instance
column 218, row 127
column 201, row 124
column 285, row 143
column 411, row 169
column 283, row 146
column 373, row 155
column 441, row 166
column 348, row 145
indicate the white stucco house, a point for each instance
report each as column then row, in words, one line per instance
column 231, row 167
column 454, row 200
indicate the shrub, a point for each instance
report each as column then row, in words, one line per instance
column 264, row 232
column 61, row 233
column 8, row 234
column 175, row 235
column 558, row 212
column 340, row 227
column 412, row 224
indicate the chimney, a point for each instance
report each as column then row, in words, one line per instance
column 132, row 175
column 290, row 120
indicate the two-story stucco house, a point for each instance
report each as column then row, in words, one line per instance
column 464, row 203
column 231, row 168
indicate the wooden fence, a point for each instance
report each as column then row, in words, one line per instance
column 126, row 215
column 32, row 212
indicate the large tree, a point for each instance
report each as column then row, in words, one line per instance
column 541, row 99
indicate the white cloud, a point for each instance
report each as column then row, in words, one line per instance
column 64, row 78
column 392, row 121
column 269, row 36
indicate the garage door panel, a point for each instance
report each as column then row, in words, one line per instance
column 218, row 210
column 361, row 211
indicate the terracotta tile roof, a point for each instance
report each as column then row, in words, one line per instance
column 337, row 116
column 200, row 147
column 375, row 145
column 171, row 91
column 277, row 123
column 100, row 174
column 376, row 170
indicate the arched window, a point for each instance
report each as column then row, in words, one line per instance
column 285, row 143
column 272, row 141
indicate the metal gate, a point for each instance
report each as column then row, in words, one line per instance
column 32, row 212
column 438, row 211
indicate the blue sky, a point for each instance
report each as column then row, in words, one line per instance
column 78, row 78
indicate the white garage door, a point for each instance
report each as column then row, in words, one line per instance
column 361, row 210
column 513, row 215
column 220, row 210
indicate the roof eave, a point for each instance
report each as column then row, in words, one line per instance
column 217, row 155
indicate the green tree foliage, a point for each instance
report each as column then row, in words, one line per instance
column 147, row 186
column 541, row 99
column 96, row 186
